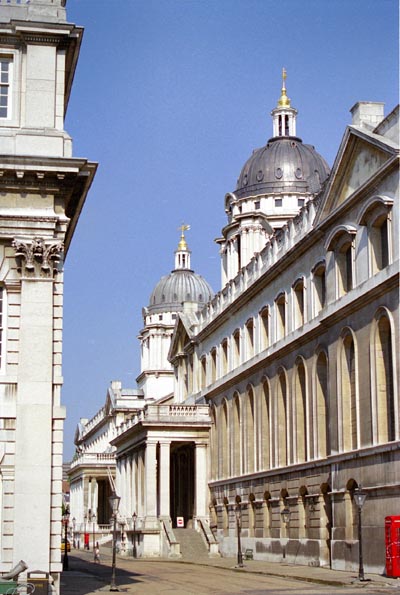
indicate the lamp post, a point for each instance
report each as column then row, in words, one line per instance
column 73, row 532
column 85, row 518
column 359, row 498
column 65, row 522
column 285, row 515
column 114, row 503
column 134, row 519
column 238, row 513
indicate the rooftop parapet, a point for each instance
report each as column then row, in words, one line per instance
column 281, row 242
column 47, row 11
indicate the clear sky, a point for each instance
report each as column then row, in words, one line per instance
column 171, row 97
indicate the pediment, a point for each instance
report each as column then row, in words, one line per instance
column 358, row 160
column 182, row 334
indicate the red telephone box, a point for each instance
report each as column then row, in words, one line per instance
column 392, row 541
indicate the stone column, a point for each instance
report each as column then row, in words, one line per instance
column 165, row 479
column 94, row 497
column 201, row 481
column 34, row 405
column 150, row 478
column 134, row 491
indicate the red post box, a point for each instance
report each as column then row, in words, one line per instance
column 392, row 541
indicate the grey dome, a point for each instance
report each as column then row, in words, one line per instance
column 285, row 164
column 181, row 285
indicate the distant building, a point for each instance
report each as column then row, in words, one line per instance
column 285, row 394
column 42, row 191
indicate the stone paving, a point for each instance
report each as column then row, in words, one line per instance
column 87, row 578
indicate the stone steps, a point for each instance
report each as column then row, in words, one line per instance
column 191, row 543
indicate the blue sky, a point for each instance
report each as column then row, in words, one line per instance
column 171, row 97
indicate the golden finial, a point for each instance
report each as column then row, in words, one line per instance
column 182, row 243
column 284, row 100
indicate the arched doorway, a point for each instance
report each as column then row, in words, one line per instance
column 182, row 482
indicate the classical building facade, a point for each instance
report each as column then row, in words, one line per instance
column 285, row 393
column 42, row 191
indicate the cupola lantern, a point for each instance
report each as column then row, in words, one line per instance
column 284, row 116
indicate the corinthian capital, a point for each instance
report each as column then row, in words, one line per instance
column 37, row 254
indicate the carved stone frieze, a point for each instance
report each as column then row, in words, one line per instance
column 38, row 255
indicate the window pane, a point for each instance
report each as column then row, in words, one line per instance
column 3, row 112
column 3, row 100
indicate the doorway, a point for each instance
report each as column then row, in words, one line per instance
column 182, row 482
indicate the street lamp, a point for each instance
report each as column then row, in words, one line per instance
column 65, row 522
column 134, row 519
column 114, row 503
column 238, row 513
column 85, row 518
column 359, row 497
column 285, row 515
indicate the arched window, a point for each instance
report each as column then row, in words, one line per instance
column 319, row 287
column 250, row 419
column 321, row 400
column 300, row 432
column 281, row 424
column 265, row 426
column 376, row 216
column 383, row 380
column 342, row 243
column 298, row 303
column 236, row 348
column 224, row 357
column 249, row 338
column 223, row 447
column 237, row 438
column 264, row 327
column 213, row 359
column 347, row 367
column 214, row 442
column 203, row 364
column 280, row 316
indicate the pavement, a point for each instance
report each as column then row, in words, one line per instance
column 84, row 577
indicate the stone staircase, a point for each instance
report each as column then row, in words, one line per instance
column 192, row 545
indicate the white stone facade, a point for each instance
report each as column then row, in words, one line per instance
column 286, row 382
column 42, row 192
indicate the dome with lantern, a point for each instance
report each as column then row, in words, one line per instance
column 285, row 164
column 181, row 285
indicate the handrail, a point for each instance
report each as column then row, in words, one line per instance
column 173, row 544
column 211, row 541
column 208, row 534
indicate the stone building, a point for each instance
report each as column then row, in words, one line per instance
column 42, row 191
column 285, row 394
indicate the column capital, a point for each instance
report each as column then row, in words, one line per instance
column 37, row 256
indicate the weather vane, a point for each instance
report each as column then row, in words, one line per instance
column 184, row 227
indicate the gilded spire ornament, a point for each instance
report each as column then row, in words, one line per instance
column 284, row 100
column 182, row 243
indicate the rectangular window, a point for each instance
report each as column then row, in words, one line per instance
column 5, row 87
